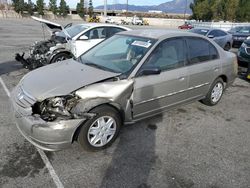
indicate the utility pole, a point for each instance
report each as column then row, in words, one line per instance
column 127, row 10
column 105, row 8
column 185, row 11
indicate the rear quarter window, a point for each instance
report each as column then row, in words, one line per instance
column 200, row 50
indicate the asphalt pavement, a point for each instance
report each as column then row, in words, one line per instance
column 192, row 146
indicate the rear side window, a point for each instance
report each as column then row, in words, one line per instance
column 200, row 50
column 217, row 33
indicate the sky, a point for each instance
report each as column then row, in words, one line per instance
column 72, row 3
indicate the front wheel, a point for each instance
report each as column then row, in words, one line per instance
column 100, row 131
column 215, row 93
column 60, row 57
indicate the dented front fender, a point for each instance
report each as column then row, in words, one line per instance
column 116, row 93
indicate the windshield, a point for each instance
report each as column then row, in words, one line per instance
column 245, row 30
column 235, row 29
column 200, row 31
column 119, row 53
column 73, row 30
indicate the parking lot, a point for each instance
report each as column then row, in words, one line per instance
column 191, row 146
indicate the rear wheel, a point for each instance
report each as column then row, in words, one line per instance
column 60, row 57
column 215, row 93
column 100, row 131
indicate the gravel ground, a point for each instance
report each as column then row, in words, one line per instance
column 192, row 146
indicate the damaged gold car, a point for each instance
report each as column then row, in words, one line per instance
column 128, row 77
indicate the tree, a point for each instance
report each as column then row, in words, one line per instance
column 30, row 7
column 40, row 6
column 53, row 6
column 18, row 6
column 63, row 8
column 230, row 10
column 90, row 8
column 80, row 8
column 243, row 11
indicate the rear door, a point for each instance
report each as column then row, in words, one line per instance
column 154, row 93
column 203, row 66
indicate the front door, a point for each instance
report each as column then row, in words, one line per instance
column 155, row 93
column 95, row 36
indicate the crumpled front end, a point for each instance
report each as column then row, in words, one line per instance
column 48, row 134
column 39, row 53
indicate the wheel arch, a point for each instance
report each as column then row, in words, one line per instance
column 58, row 51
column 97, row 103
column 224, row 78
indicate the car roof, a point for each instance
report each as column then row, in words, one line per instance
column 158, row 33
column 100, row 25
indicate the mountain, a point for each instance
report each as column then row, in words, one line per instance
column 174, row 6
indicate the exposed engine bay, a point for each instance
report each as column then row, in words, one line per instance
column 53, row 108
column 40, row 53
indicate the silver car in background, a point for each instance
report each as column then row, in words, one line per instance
column 128, row 77
column 222, row 38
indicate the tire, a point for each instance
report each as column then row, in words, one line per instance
column 227, row 47
column 60, row 57
column 215, row 93
column 87, row 139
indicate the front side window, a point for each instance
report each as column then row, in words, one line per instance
column 96, row 33
column 119, row 53
column 169, row 54
column 200, row 50
column 217, row 33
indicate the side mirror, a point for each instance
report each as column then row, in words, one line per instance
column 210, row 36
column 149, row 70
column 83, row 37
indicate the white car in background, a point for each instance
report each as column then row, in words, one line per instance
column 66, row 42
column 91, row 36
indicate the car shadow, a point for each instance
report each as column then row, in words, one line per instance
column 10, row 66
column 134, row 156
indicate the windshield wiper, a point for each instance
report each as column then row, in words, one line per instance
column 98, row 66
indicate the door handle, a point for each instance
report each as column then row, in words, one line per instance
column 181, row 78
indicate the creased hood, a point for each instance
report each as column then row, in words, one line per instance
column 61, row 79
column 49, row 24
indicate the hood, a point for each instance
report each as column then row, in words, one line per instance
column 61, row 78
column 49, row 24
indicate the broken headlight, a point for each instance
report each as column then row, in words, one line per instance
column 55, row 108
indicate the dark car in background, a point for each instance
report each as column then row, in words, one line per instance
column 235, row 29
column 240, row 36
column 222, row 38
column 243, row 56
